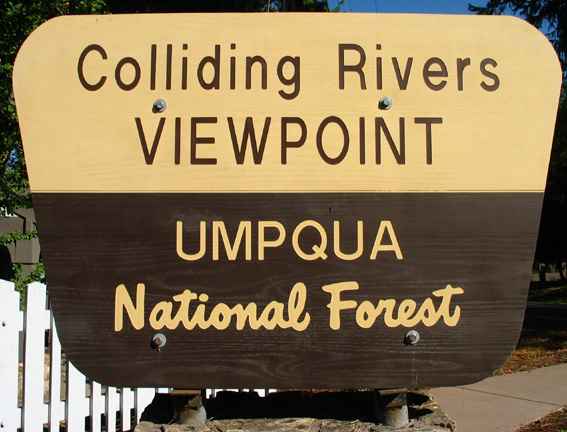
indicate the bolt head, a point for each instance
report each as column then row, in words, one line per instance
column 386, row 103
column 159, row 105
column 412, row 337
column 159, row 340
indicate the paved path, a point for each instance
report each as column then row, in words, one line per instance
column 504, row 403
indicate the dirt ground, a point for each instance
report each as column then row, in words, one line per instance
column 537, row 348
column 556, row 422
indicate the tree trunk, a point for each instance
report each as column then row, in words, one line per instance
column 542, row 270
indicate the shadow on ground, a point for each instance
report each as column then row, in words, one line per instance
column 337, row 405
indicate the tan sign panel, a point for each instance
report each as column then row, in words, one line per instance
column 266, row 103
column 287, row 200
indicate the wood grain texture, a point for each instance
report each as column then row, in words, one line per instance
column 482, row 243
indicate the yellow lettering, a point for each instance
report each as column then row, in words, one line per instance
column 427, row 313
column 123, row 300
column 249, row 313
column 318, row 250
column 202, row 242
column 405, row 310
column 262, row 242
column 378, row 246
column 198, row 317
column 388, row 305
column 359, row 241
column 336, row 304
column 221, row 316
column 161, row 316
column 244, row 228
column 295, row 306
column 366, row 314
column 444, row 308
column 183, row 312
column 272, row 315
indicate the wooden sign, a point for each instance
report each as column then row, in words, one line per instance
column 287, row 200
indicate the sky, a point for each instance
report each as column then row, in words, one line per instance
column 409, row 6
column 458, row 7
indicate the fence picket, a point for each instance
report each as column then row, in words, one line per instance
column 96, row 407
column 126, row 405
column 56, row 406
column 10, row 326
column 112, row 406
column 76, row 400
column 143, row 397
column 34, row 365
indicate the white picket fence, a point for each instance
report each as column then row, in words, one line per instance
column 30, row 391
column 31, row 396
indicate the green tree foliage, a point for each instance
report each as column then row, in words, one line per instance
column 552, row 238
column 550, row 16
column 168, row 6
column 18, row 18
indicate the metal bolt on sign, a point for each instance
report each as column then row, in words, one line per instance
column 158, row 341
column 159, row 105
column 412, row 337
column 385, row 103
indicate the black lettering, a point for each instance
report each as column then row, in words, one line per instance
column 343, row 153
column 168, row 66
column 428, row 135
column 177, row 140
column 201, row 140
column 184, row 70
column 488, row 74
column 400, row 155
column 362, row 138
column 292, row 144
column 402, row 79
column 118, row 72
column 461, row 65
column 149, row 155
column 80, row 64
column 249, row 134
column 153, row 67
column 215, row 63
column 428, row 73
column 264, row 67
column 294, row 80
column 378, row 69
column 232, row 68
column 351, row 68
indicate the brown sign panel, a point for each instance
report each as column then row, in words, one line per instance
column 352, row 205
